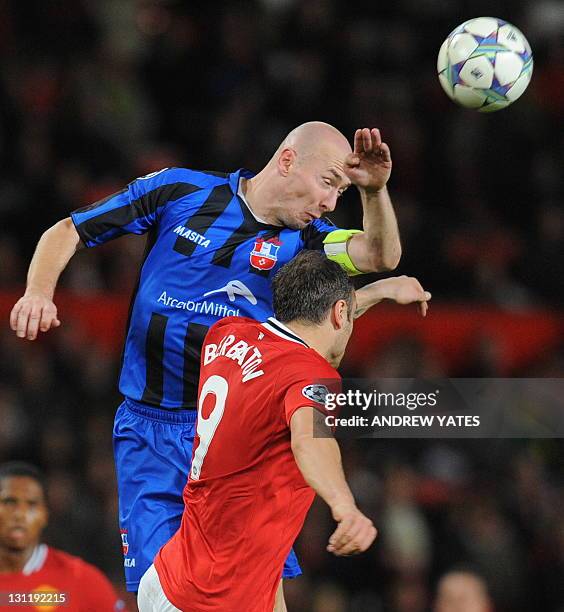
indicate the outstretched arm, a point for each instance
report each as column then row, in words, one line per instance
column 400, row 289
column 378, row 248
column 133, row 210
column 36, row 310
column 319, row 461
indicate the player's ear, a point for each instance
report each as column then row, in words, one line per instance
column 339, row 314
column 44, row 518
column 286, row 161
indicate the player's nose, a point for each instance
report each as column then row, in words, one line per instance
column 18, row 514
column 329, row 204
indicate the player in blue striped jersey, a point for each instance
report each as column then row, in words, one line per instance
column 215, row 240
column 209, row 257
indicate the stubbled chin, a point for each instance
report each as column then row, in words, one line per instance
column 291, row 222
column 297, row 224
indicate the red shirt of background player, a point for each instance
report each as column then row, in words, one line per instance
column 246, row 500
column 49, row 570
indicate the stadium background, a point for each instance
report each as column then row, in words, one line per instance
column 93, row 94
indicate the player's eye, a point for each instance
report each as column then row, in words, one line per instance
column 328, row 181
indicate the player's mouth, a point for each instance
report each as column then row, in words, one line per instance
column 17, row 531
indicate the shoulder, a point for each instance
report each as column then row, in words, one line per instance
column 302, row 364
column 90, row 572
column 231, row 324
column 73, row 564
column 314, row 233
column 317, row 226
column 168, row 176
column 60, row 558
column 307, row 362
column 307, row 381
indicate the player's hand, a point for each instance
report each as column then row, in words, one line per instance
column 33, row 312
column 370, row 164
column 354, row 534
column 407, row 290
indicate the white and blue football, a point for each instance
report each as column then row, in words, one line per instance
column 485, row 64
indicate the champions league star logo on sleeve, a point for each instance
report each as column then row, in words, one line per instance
column 265, row 253
column 316, row 393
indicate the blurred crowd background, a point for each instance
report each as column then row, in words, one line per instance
column 93, row 94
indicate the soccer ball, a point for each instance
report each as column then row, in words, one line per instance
column 485, row 64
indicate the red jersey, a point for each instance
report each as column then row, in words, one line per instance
column 245, row 500
column 61, row 582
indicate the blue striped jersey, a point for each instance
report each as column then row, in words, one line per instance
column 207, row 257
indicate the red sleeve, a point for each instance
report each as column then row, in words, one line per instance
column 97, row 592
column 309, row 385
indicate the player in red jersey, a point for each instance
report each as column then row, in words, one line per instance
column 256, row 466
column 32, row 573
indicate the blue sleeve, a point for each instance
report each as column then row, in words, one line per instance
column 314, row 233
column 133, row 210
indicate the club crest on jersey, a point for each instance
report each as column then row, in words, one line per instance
column 124, row 544
column 265, row 253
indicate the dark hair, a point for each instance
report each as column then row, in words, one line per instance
column 21, row 468
column 307, row 287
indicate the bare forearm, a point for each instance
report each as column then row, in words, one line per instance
column 401, row 289
column 370, row 295
column 378, row 248
column 53, row 252
column 35, row 311
column 319, row 461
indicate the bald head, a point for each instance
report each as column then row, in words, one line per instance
column 313, row 138
column 462, row 591
column 304, row 178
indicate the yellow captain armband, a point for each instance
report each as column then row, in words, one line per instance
column 335, row 246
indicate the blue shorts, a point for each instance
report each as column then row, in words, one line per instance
column 153, row 451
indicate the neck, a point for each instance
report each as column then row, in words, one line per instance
column 13, row 561
column 260, row 197
column 317, row 338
